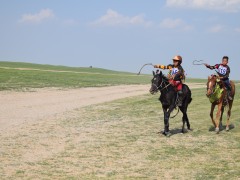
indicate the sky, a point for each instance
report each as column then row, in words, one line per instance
column 121, row 35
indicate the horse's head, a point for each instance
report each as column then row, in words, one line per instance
column 156, row 82
column 211, row 84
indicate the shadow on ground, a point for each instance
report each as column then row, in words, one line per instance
column 222, row 128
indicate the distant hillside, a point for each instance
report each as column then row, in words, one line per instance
column 16, row 75
column 59, row 68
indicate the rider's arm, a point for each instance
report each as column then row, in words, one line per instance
column 212, row 67
column 163, row 67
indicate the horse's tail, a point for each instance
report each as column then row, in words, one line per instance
column 190, row 100
column 233, row 88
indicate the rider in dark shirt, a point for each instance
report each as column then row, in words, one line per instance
column 223, row 71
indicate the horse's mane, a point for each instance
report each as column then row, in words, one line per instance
column 220, row 83
column 165, row 78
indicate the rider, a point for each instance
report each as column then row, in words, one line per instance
column 223, row 71
column 175, row 75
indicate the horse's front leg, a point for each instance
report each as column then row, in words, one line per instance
column 220, row 123
column 166, row 121
column 218, row 117
column 211, row 114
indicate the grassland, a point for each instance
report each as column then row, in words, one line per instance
column 119, row 140
column 24, row 76
column 21, row 76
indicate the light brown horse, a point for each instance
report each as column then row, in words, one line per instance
column 222, row 101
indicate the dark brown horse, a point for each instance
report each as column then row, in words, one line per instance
column 217, row 94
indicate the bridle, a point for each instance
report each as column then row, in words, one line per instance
column 160, row 87
column 212, row 89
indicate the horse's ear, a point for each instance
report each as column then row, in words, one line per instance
column 153, row 73
column 160, row 73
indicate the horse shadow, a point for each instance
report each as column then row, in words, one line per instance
column 176, row 131
column 221, row 128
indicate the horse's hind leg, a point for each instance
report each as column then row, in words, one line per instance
column 222, row 111
column 228, row 115
column 188, row 124
column 184, row 118
column 184, row 121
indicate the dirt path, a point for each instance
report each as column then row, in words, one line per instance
column 18, row 108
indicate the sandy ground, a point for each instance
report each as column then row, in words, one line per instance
column 19, row 108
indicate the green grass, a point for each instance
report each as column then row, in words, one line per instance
column 12, row 79
column 66, row 77
column 59, row 68
column 119, row 140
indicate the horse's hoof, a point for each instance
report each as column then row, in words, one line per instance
column 160, row 132
column 217, row 130
column 167, row 134
column 227, row 128
column 220, row 125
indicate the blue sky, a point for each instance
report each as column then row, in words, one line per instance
column 121, row 35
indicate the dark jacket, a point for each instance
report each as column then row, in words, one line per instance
column 223, row 71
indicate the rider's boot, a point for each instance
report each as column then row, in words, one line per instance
column 229, row 92
column 180, row 98
column 229, row 89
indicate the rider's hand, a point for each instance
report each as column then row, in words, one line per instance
column 207, row 65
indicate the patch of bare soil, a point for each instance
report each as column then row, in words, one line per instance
column 19, row 108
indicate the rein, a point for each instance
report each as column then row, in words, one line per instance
column 160, row 86
column 165, row 87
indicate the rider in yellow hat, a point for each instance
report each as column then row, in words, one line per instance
column 175, row 75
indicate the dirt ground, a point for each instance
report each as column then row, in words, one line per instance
column 57, row 134
column 18, row 108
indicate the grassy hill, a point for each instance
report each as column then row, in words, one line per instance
column 16, row 75
column 22, row 76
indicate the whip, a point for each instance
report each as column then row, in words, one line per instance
column 198, row 62
column 148, row 64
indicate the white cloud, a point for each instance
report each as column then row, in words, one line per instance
column 175, row 24
column 216, row 29
column 224, row 5
column 43, row 15
column 113, row 18
column 237, row 29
